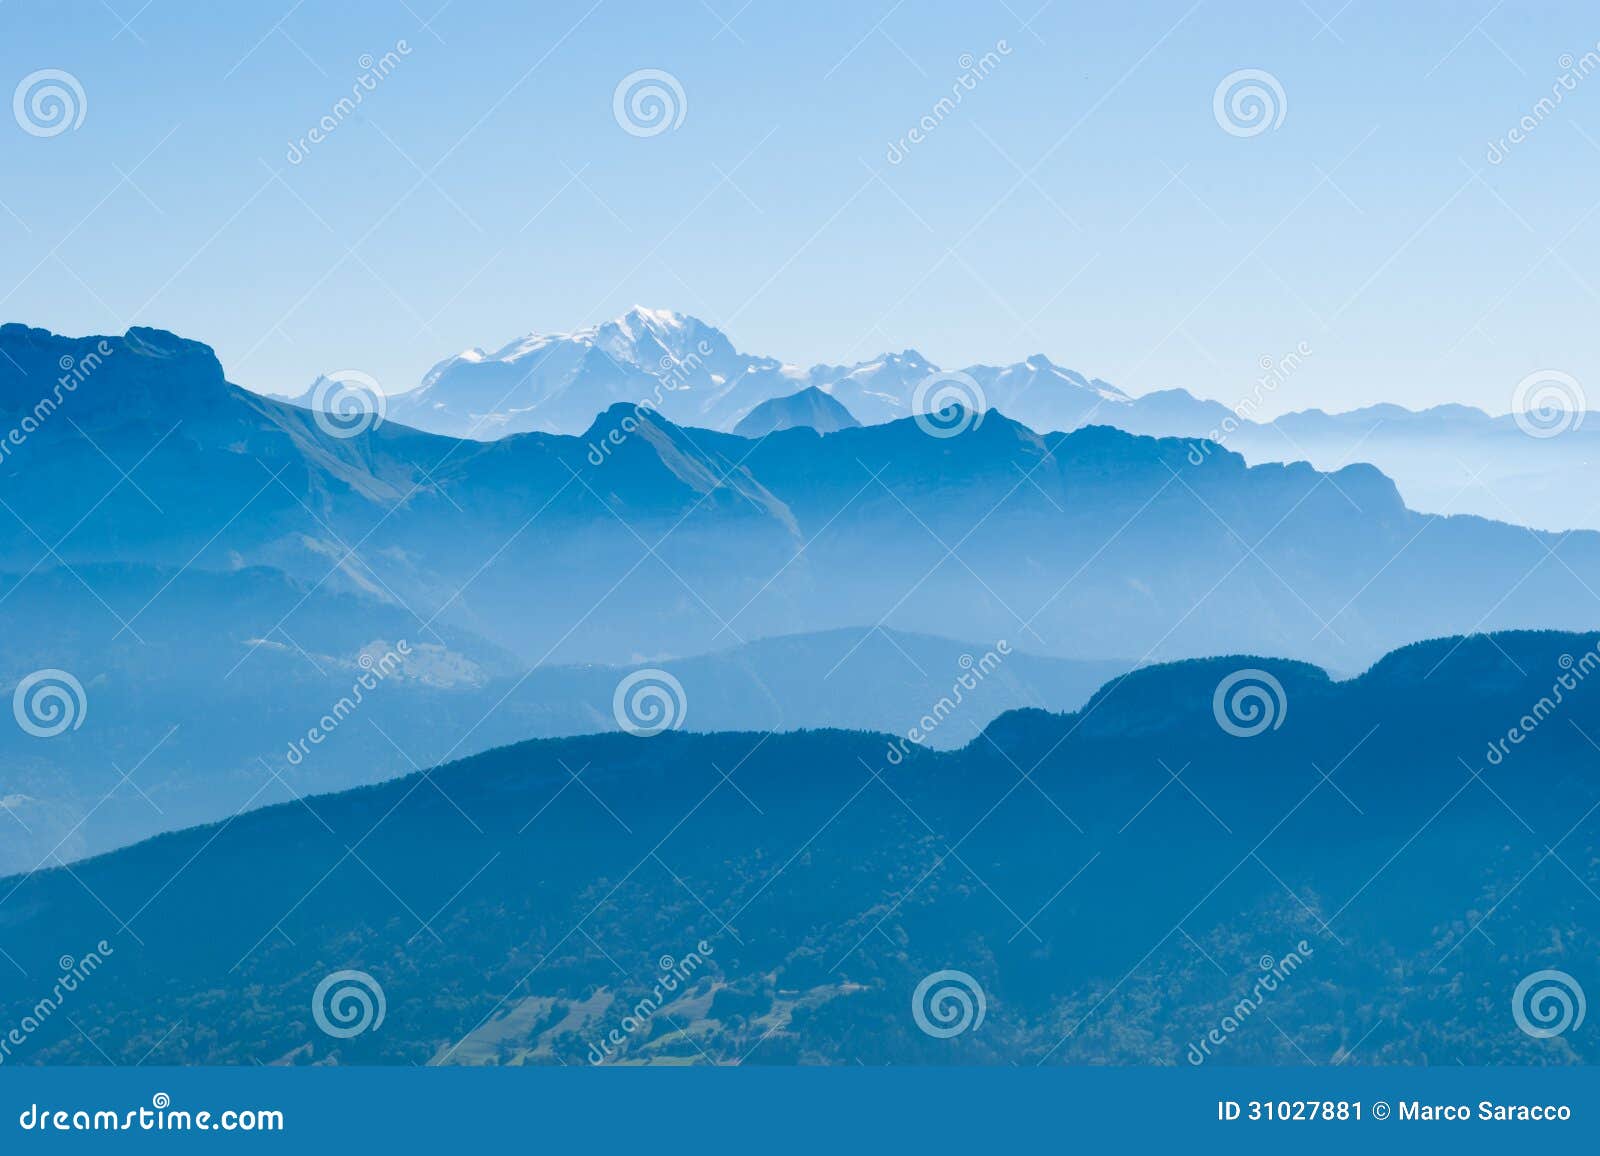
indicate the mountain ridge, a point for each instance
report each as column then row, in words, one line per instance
column 1446, row 458
column 821, row 840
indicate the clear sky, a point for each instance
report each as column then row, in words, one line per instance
column 1082, row 199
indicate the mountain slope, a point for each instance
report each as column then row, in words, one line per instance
column 245, row 688
column 808, row 882
column 1088, row 544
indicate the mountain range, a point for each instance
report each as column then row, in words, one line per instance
column 1090, row 544
column 1109, row 886
column 213, row 565
column 1446, row 459
column 179, row 730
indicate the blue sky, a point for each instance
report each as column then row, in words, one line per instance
column 1082, row 200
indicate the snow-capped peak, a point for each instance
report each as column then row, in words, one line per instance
column 694, row 376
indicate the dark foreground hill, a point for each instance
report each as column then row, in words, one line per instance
column 1118, row 883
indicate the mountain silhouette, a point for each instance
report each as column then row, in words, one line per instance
column 810, row 408
column 1447, row 459
column 1113, row 880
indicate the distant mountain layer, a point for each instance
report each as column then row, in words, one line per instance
column 215, row 708
column 1448, row 459
column 691, row 373
column 641, row 538
column 214, row 568
column 810, row 408
column 1331, row 871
